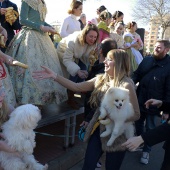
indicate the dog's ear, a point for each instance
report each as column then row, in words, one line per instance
column 26, row 116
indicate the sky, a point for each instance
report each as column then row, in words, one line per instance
column 57, row 9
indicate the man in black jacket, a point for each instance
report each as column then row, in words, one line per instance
column 156, row 135
column 9, row 28
column 153, row 76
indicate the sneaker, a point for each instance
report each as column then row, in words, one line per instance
column 145, row 158
column 99, row 165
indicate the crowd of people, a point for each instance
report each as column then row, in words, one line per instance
column 92, row 56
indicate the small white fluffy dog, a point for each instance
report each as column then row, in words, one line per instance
column 115, row 109
column 19, row 135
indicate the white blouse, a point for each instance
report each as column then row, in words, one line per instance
column 69, row 25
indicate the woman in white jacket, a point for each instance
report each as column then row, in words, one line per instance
column 75, row 52
column 70, row 23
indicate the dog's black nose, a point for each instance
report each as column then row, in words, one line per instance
column 120, row 104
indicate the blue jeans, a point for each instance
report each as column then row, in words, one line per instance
column 76, row 78
column 150, row 124
column 94, row 152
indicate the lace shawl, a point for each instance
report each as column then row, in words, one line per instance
column 38, row 6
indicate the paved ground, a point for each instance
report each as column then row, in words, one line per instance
column 50, row 150
column 131, row 161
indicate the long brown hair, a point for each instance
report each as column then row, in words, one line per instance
column 121, row 69
column 74, row 5
column 86, row 30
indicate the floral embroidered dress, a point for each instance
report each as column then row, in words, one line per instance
column 118, row 38
column 7, row 85
column 34, row 48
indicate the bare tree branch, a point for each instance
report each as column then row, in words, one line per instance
column 156, row 11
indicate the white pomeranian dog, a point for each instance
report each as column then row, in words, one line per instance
column 18, row 134
column 115, row 109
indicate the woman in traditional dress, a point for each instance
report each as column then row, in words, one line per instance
column 117, row 34
column 33, row 46
column 116, row 17
column 133, row 44
column 6, row 81
column 104, row 30
column 96, row 20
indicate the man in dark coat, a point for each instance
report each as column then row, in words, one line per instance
column 9, row 28
column 153, row 76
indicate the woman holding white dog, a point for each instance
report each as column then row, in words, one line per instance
column 117, row 69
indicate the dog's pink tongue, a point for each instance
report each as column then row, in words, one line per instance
column 118, row 107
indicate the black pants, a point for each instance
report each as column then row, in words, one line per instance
column 94, row 152
column 166, row 161
column 159, row 134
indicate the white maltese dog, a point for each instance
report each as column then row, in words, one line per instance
column 115, row 109
column 19, row 135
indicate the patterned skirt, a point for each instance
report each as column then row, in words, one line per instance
column 35, row 49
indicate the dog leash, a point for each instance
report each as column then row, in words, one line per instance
column 47, row 134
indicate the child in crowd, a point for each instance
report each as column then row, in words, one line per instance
column 96, row 20
column 117, row 34
column 133, row 44
column 104, row 30
column 116, row 17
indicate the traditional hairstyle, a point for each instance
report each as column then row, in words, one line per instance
column 129, row 25
column 121, row 69
column 101, row 8
column 74, row 5
column 107, row 45
column 117, row 14
column 118, row 23
column 105, row 15
column 86, row 30
column 165, row 42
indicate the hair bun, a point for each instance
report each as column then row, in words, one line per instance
column 101, row 8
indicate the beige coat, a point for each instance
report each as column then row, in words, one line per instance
column 70, row 50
